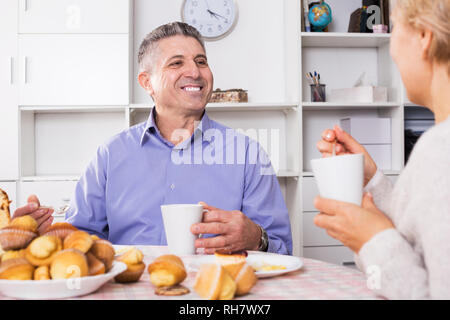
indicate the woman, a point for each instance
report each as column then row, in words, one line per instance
column 401, row 234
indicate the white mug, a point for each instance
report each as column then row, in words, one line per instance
column 340, row 177
column 178, row 219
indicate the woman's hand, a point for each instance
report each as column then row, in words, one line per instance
column 346, row 144
column 349, row 223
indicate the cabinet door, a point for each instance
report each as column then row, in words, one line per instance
column 74, row 16
column 74, row 69
column 335, row 254
column 8, row 91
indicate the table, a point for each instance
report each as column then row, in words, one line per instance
column 315, row 280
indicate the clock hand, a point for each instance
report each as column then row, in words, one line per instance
column 212, row 14
column 216, row 14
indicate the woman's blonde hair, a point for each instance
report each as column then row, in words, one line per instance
column 434, row 15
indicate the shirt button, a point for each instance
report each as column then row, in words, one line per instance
column 172, row 186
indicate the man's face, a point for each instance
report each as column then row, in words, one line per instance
column 180, row 77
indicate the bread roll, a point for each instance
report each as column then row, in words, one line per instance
column 167, row 270
column 42, row 273
column 69, row 263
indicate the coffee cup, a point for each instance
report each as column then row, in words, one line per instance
column 340, row 177
column 178, row 219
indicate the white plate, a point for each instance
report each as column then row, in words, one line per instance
column 257, row 259
column 58, row 289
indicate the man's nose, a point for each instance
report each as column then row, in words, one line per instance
column 192, row 70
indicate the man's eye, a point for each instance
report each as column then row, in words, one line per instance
column 202, row 62
column 176, row 63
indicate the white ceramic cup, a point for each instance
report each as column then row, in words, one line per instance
column 178, row 219
column 340, row 177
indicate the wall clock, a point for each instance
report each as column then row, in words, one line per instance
column 214, row 19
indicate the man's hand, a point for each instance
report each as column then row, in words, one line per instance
column 349, row 223
column 235, row 231
column 43, row 216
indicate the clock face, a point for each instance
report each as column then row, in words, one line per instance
column 212, row 18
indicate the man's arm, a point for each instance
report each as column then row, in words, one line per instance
column 87, row 209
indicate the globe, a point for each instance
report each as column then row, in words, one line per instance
column 320, row 16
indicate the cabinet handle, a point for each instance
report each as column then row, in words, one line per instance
column 25, row 64
column 348, row 263
column 11, row 75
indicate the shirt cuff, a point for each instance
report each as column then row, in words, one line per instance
column 385, row 248
column 376, row 179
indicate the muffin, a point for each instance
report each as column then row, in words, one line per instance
column 42, row 250
column 69, row 263
column 135, row 267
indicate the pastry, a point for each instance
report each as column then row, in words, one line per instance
column 5, row 216
column 16, row 269
column 42, row 250
column 167, row 270
column 176, row 290
column 96, row 267
column 213, row 282
column 12, row 238
column 60, row 229
column 69, row 263
column 236, row 266
column 26, row 222
column 80, row 240
column 41, row 273
column 11, row 254
column 104, row 251
column 135, row 267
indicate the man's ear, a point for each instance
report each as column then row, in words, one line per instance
column 426, row 38
column 144, row 81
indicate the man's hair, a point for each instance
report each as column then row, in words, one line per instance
column 165, row 31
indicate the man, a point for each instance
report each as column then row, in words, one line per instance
column 177, row 156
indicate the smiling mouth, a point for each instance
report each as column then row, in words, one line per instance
column 192, row 88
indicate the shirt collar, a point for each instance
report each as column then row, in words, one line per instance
column 150, row 126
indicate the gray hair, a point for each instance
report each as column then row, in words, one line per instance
column 165, row 31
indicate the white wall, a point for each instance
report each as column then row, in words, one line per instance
column 250, row 58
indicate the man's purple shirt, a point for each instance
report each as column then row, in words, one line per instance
column 136, row 171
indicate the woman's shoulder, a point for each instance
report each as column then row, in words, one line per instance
column 435, row 141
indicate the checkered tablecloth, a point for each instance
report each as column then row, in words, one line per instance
column 315, row 280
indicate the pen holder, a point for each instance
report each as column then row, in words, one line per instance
column 318, row 93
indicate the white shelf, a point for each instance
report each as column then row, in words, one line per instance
column 313, row 106
column 386, row 172
column 287, row 174
column 344, row 40
column 66, row 109
column 238, row 106
column 50, row 178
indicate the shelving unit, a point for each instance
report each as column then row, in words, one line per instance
column 55, row 115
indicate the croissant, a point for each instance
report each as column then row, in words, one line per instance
column 103, row 251
column 80, row 240
column 167, row 270
column 213, row 282
column 16, row 269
